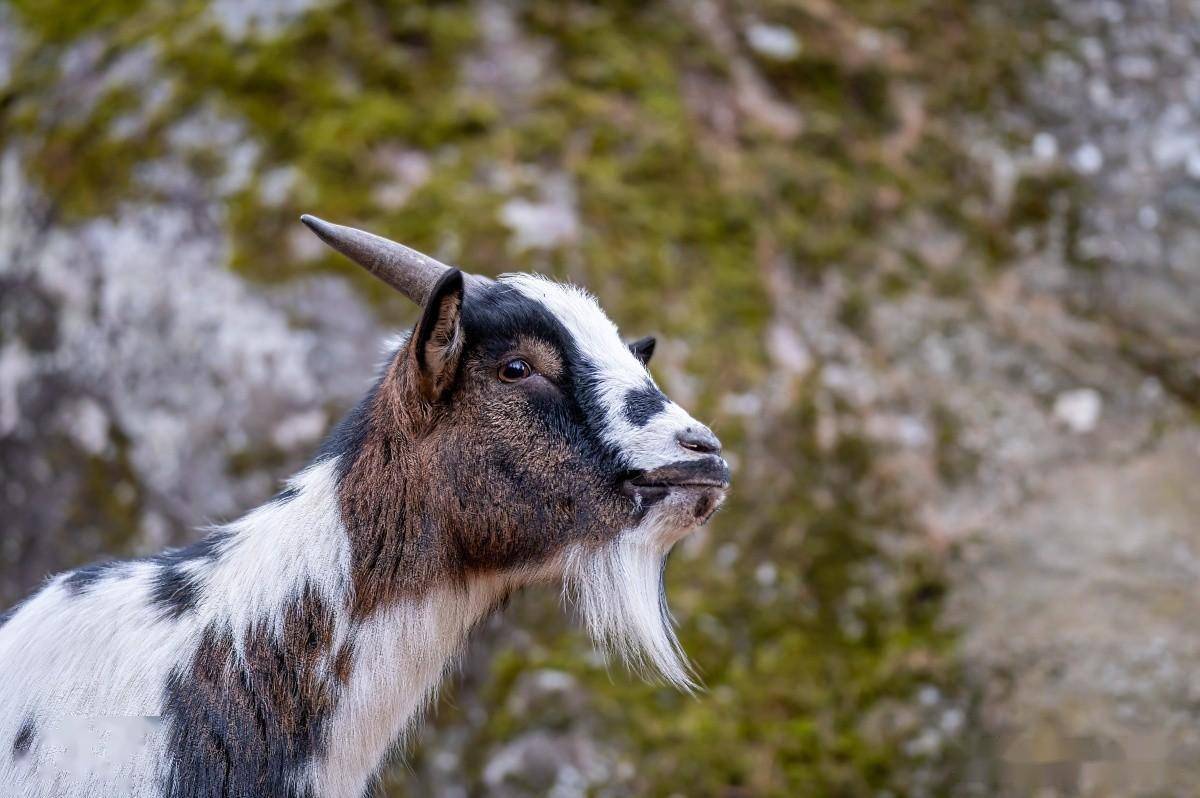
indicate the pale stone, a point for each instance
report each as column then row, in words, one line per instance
column 773, row 41
column 1078, row 409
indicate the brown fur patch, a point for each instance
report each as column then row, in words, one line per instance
column 382, row 495
column 343, row 663
column 544, row 358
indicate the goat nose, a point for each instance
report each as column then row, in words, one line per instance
column 699, row 439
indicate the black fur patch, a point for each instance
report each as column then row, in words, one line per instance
column 24, row 739
column 243, row 728
column 81, row 579
column 643, row 404
column 176, row 589
column 284, row 496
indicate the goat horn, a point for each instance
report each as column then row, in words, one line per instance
column 404, row 269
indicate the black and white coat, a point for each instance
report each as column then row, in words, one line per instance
column 511, row 437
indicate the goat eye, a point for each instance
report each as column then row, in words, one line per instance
column 514, row 370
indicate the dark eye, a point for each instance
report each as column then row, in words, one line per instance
column 515, row 369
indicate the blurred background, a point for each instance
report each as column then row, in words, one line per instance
column 931, row 268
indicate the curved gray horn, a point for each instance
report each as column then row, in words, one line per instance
column 404, row 269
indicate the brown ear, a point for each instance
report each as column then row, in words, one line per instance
column 437, row 342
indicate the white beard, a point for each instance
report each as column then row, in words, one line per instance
column 618, row 590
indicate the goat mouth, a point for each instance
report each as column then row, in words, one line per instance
column 708, row 476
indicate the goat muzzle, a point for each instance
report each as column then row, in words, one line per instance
column 703, row 482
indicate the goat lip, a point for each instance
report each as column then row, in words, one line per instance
column 645, row 485
column 710, row 472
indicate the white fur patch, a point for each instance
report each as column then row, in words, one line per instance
column 401, row 656
column 69, row 661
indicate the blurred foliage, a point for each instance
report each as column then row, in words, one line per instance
column 825, row 621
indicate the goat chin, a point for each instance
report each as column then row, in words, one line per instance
column 617, row 589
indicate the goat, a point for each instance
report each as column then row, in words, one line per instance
column 510, row 438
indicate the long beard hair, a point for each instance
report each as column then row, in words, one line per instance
column 618, row 592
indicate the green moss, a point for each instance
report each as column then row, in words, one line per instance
column 955, row 462
column 104, row 514
column 855, row 311
column 63, row 21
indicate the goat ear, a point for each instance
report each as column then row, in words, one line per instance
column 438, row 340
column 643, row 348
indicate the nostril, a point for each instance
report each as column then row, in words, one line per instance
column 699, row 439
